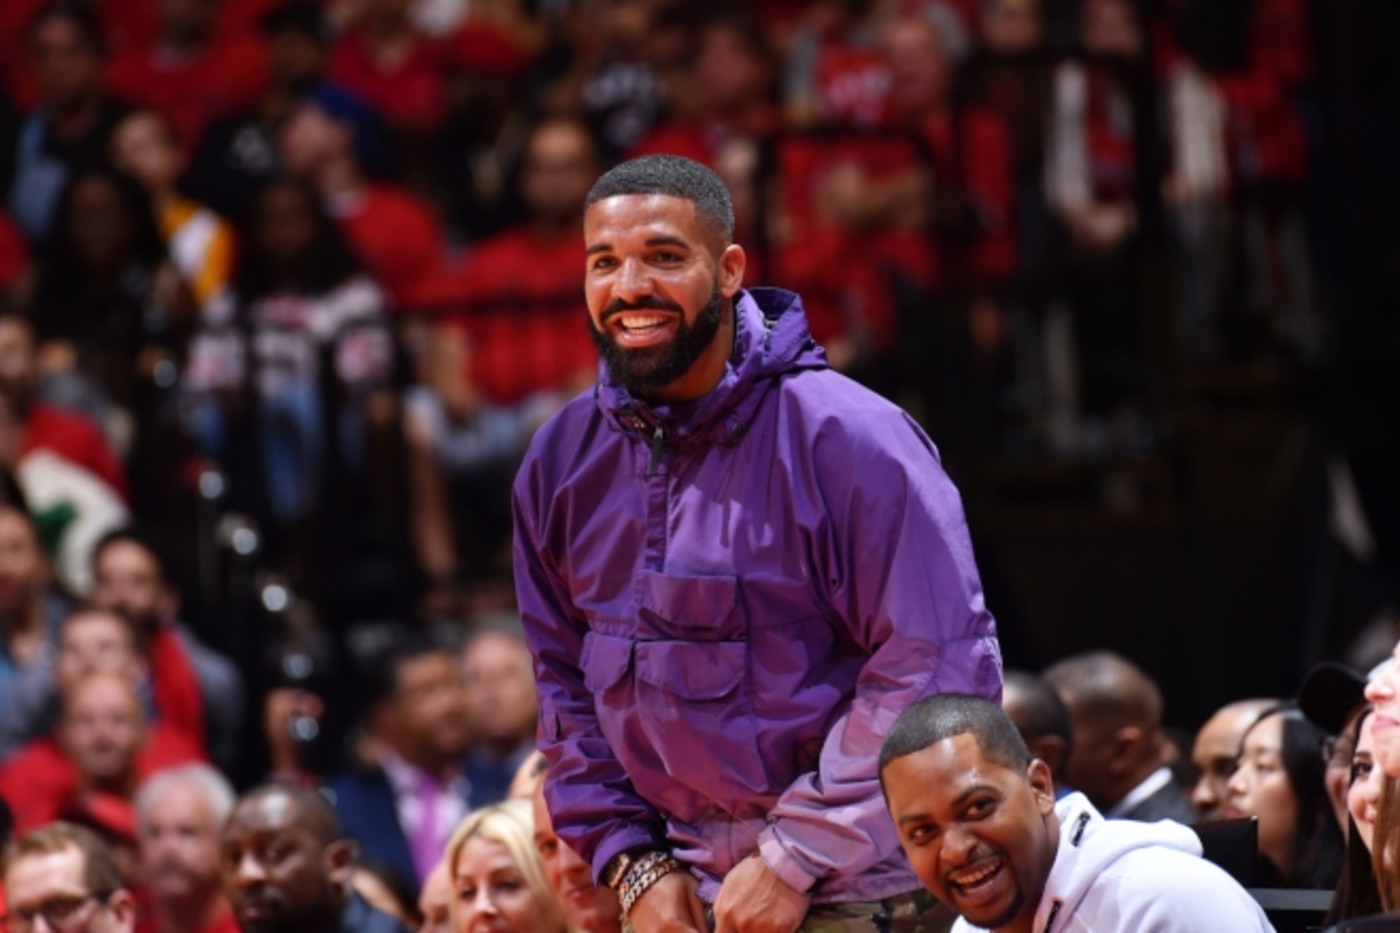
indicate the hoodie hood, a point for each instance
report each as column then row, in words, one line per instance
column 771, row 339
column 1089, row 844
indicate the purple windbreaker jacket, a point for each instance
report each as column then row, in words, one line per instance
column 729, row 601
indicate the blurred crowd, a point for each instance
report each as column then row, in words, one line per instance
column 315, row 265
column 286, row 286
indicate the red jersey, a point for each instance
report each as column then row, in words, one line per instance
column 397, row 238
column 526, row 315
column 406, row 92
column 39, row 781
column 227, row 77
column 14, row 253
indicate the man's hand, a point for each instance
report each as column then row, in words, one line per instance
column 670, row 906
column 754, row 900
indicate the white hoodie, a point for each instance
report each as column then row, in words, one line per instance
column 1122, row 876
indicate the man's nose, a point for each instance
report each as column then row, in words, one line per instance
column 633, row 281
column 248, row 871
column 957, row 845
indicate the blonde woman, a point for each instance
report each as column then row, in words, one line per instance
column 498, row 882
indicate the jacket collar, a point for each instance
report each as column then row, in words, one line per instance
column 771, row 339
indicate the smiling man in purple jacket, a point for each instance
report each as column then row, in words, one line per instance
column 736, row 567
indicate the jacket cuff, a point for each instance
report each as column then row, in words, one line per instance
column 631, row 838
column 784, row 862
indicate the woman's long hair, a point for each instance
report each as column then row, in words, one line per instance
column 329, row 262
column 1357, row 893
column 1316, row 852
column 1385, row 844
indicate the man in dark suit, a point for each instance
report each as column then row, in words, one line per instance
column 1118, row 755
column 402, row 810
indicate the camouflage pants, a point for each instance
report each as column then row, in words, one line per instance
column 916, row 912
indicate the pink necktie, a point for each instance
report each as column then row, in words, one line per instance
column 425, row 844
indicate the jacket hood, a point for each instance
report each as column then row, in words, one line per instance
column 1089, row 844
column 771, row 339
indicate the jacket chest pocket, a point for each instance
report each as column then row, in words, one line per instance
column 678, row 716
column 688, row 607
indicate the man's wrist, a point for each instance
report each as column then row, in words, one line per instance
column 642, row 874
column 618, row 866
column 783, row 864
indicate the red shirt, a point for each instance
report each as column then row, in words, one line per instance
column 408, row 92
column 14, row 254
column 228, row 76
column 146, row 921
column 398, row 239
column 526, row 314
column 39, row 781
column 74, row 437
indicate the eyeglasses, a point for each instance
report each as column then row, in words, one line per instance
column 60, row 914
column 1337, row 751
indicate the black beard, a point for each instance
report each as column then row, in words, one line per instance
column 643, row 371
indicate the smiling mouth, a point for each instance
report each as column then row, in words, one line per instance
column 640, row 323
column 973, row 882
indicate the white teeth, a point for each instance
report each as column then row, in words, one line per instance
column 642, row 321
column 976, row 878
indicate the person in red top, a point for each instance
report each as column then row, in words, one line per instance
column 179, row 816
column 14, row 255
column 730, row 97
column 328, row 140
column 42, row 426
column 726, row 111
column 492, row 375
column 382, row 57
column 193, row 72
column 103, row 746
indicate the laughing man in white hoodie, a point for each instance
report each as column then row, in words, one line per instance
column 978, row 819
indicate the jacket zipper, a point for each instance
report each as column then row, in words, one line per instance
column 656, row 435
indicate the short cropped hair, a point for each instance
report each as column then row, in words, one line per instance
column 101, row 876
column 675, row 176
column 310, row 810
column 217, row 791
column 1046, row 713
column 382, row 672
column 939, row 717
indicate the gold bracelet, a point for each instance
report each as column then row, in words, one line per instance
column 648, row 870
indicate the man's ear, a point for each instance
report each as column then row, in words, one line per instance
column 1051, row 750
column 340, row 859
column 1042, row 785
column 122, row 906
column 731, row 270
column 1127, row 750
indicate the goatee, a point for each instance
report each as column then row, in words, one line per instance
column 644, row 371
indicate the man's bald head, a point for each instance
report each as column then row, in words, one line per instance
column 1106, row 690
column 1041, row 718
column 1116, row 713
column 1215, row 751
column 287, row 866
column 306, row 807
